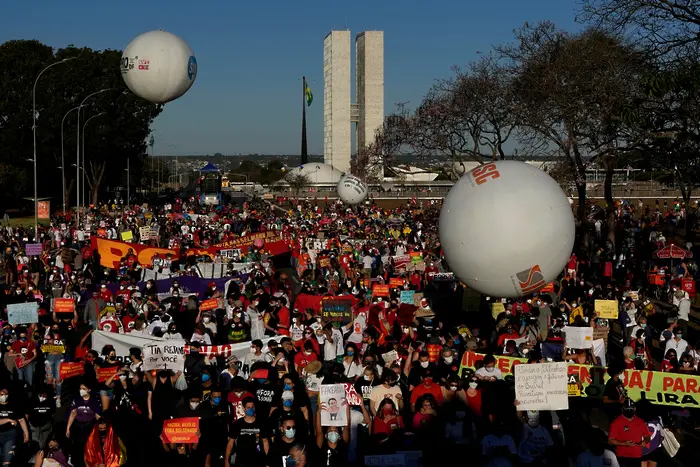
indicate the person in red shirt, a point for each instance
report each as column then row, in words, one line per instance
column 124, row 292
column 510, row 334
column 284, row 316
column 427, row 386
column 309, row 336
column 106, row 294
column 236, row 396
column 301, row 359
column 387, row 419
column 23, row 351
column 629, row 434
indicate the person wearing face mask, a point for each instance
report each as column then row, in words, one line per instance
column 389, row 389
column 427, row 387
column 162, row 399
column 489, row 372
column 26, row 349
column 255, row 319
column 41, row 411
column 677, row 343
column 207, row 382
column 332, row 443
column 687, row 365
column 11, row 418
column 107, row 387
column 248, row 439
column 236, row 396
column 254, row 356
column 448, row 366
column 629, row 434
column 51, row 454
column 670, row 362
column 286, row 409
column 535, row 440
column 386, row 419
column 209, row 322
column 614, row 393
column 352, row 366
column 84, row 413
column 286, row 437
column 419, row 368
column 104, row 447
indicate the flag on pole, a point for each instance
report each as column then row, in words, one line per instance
column 309, row 96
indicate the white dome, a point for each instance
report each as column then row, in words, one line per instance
column 318, row 173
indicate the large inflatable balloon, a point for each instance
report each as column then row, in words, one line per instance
column 506, row 229
column 351, row 189
column 158, row 66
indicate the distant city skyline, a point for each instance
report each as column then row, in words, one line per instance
column 252, row 57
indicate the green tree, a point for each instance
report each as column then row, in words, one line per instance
column 109, row 139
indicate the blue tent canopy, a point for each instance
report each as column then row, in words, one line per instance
column 209, row 168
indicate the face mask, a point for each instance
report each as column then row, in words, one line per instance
column 194, row 405
column 3, row 399
column 290, row 432
column 489, row 369
column 448, row 360
column 287, row 387
column 686, row 364
column 250, row 412
column 424, row 364
column 288, row 403
column 290, row 461
column 205, row 320
column 216, row 400
column 629, row 413
column 387, row 411
column 473, row 384
column 367, row 378
column 679, row 335
column 42, row 398
column 533, row 423
column 643, row 325
column 24, row 338
column 261, row 380
column 333, row 436
column 122, row 377
column 350, row 353
column 308, row 352
column 454, row 388
column 205, row 378
column 83, row 392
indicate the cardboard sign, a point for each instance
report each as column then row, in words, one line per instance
column 33, row 249
column 542, row 386
column 71, row 369
column 380, row 290
column 23, row 313
column 407, row 297
column 127, row 235
column 63, row 305
column 167, row 355
column 332, row 405
column 396, row 282
column 578, row 338
column 417, row 298
column 103, row 374
column 208, row 305
column 21, row 362
column 181, row 430
column 338, row 312
column 607, row 308
column 324, row 262
column 147, row 233
column 390, row 357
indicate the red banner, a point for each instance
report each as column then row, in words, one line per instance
column 70, row 369
column 63, row 305
column 112, row 251
column 207, row 305
column 103, row 374
column 396, row 282
column 181, row 430
column 273, row 248
column 380, row 290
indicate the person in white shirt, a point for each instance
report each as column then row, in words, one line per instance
column 679, row 344
column 255, row 319
column 172, row 333
column 358, row 327
column 489, row 372
column 255, row 355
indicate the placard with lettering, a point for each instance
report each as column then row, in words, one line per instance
column 167, row 355
column 338, row 312
column 333, row 405
column 33, row 249
column 181, row 430
column 407, row 296
column 607, row 308
column 578, row 337
column 23, row 313
column 542, row 386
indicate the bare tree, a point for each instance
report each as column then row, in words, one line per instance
column 297, row 182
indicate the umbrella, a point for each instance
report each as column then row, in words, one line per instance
column 673, row 252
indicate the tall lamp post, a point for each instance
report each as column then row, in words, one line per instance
column 77, row 156
column 36, row 197
column 84, row 125
column 63, row 163
column 128, row 184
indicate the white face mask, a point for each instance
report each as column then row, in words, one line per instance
column 473, row 384
column 3, row 398
column 205, row 320
column 424, row 364
column 448, row 360
column 83, row 392
column 490, row 368
column 194, row 405
column 367, row 378
column 42, row 399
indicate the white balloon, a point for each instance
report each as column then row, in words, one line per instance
column 351, row 189
column 506, row 229
column 158, row 66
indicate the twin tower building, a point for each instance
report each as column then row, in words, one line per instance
column 339, row 113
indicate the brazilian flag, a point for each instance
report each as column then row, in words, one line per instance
column 309, row 96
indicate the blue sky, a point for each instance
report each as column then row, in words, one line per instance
column 251, row 55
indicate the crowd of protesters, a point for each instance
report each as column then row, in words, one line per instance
column 403, row 361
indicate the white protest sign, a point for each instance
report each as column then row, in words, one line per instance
column 121, row 342
column 165, row 355
column 578, row 338
column 333, row 405
column 23, row 313
column 542, row 386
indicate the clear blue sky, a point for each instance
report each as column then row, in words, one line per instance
column 251, row 55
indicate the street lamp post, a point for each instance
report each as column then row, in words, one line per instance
column 36, row 197
column 63, row 163
column 77, row 157
column 84, row 125
column 128, row 184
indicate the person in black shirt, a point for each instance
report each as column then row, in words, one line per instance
column 11, row 416
column 215, row 427
column 284, row 440
column 614, row 393
column 41, row 410
column 288, row 408
column 332, row 445
column 250, row 437
column 264, row 393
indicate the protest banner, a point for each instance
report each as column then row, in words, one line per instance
column 33, row 249
column 208, row 305
column 395, row 282
column 669, row 389
column 542, row 386
column 407, row 297
column 112, row 251
column 333, row 405
column 226, row 350
column 165, row 355
column 380, row 290
column 63, row 305
column 578, row 338
column 103, row 374
column 56, row 346
column 573, row 385
column 23, row 313
column 181, row 430
column 352, row 396
column 147, row 233
column 43, row 209
column 121, row 343
column 336, row 311
column 607, row 309
column 70, row 369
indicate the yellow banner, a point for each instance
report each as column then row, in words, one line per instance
column 660, row 388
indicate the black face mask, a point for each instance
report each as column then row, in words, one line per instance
column 629, row 413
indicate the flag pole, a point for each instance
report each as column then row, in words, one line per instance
column 304, row 149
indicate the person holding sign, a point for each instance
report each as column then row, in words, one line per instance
column 24, row 353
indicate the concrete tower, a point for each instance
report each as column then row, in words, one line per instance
column 338, row 112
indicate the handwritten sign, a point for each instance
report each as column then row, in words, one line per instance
column 390, row 357
column 181, row 430
column 386, row 460
column 395, row 282
column 606, row 308
column 352, row 396
column 23, row 313
column 542, row 386
column 168, row 355
column 578, row 338
column 208, row 305
column 71, row 369
column 407, row 296
column 63, row 305
column 380, row 290
column 338, row 312
column 333, row 405
column 147, row 233
column 33, row 249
